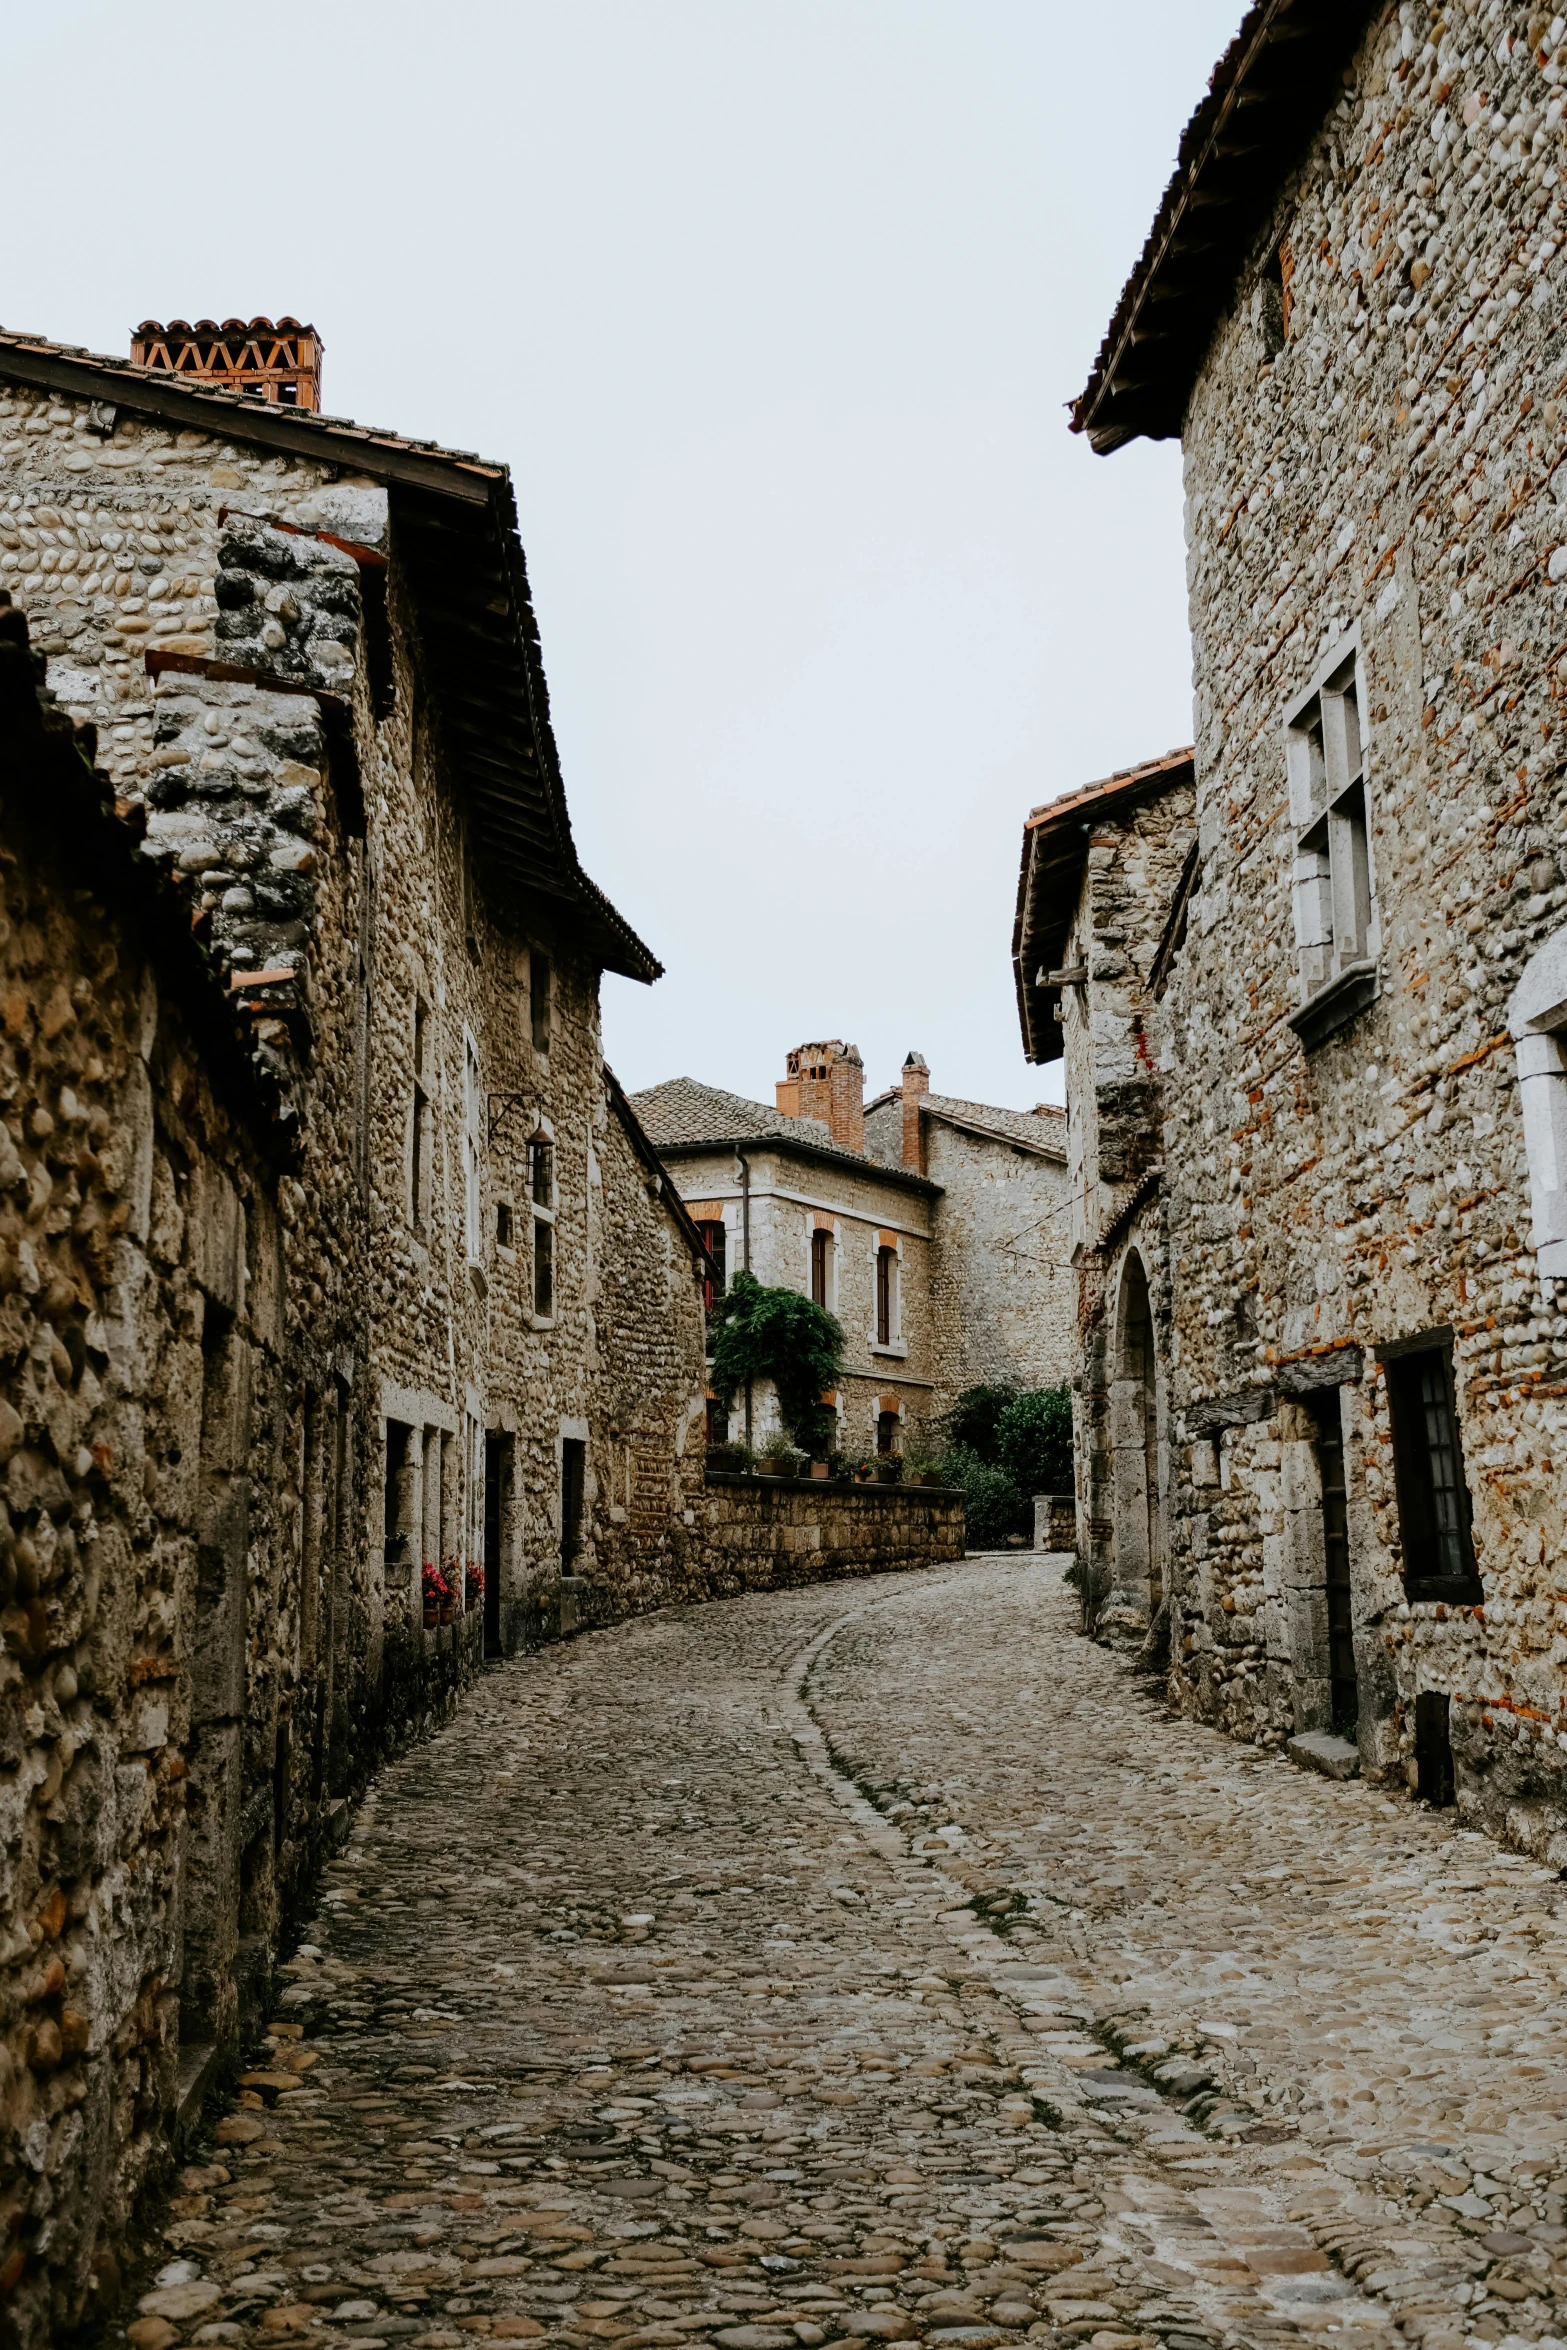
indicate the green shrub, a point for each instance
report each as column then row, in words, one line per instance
column 974, row 1422
column 993, row 1505
column 1034, row 1439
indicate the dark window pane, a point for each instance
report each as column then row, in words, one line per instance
column 542, row 1155
column 1433, row 1498
column 884, row 1297
column 543, row 1267
column 821, row 1242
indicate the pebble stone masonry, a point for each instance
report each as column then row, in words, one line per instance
column 760, row 1995
column 1358, row 1128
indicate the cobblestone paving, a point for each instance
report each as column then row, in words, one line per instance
column 877, row 1963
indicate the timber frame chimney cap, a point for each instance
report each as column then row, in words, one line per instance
column 270, row 359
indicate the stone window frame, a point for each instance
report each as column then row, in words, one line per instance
column 547, row 1214
column 823, row 1228
column 895, row 1342
column 1537, row 1023
column 1333, row 882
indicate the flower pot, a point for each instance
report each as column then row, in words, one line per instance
column 446, row 1611
column 890, row 1473
column 432, row 1617
column 774, row 1468
column 818, row 1468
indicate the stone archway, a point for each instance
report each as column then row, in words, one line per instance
column 1134, row 1445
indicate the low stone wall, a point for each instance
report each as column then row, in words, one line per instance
column 763, row 1533
column 1055, row 1521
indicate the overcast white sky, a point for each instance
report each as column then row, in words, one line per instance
column 773, row 307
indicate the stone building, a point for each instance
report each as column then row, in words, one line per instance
column 931, row 1227
column 1351, row 1365
column 333, row 1247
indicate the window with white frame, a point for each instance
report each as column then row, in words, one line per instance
column 1537, row 1019
column 472, row 1149
column 1335, row 905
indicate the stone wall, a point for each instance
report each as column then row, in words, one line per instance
column 276, row 1331
column 1375, row 473
column 762, row 1533
column 1003, row 1294
column 146, row 1829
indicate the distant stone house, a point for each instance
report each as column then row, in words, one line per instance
column 1100, row 902
column 1354, row 1355
column 932, row 1228
column 334, row 1248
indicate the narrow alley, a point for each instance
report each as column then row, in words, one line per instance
column 881, row 1962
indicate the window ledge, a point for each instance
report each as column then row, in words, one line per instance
column 898, row 1352
column 1452, row 1590
column 1351, row 992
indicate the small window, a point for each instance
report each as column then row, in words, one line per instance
column 543, row 1268
column 887, row 1429
column 821, row 1261
column 886, row 1280
column 422, row 1147
column 539, row 990
column 1428, row 1463
column 1335, row 910
column 1273, row 300
column 717, row 1422
column 715, row 1239
column 503, row 1223
column 541, row 1171
column 472, row 1148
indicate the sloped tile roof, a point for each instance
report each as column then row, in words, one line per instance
column 1042, row 1130
column 682, row 1115
column 455, row 520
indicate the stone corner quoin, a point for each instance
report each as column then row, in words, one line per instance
column 1304, row 977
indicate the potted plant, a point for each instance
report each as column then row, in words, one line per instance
column 436, row 1593
column 921, row 1468
column 864, row 1472
column 889, row 1468
column 451, row 1576
column 821, row 1468
column 474, row 1584
column 779, row 1458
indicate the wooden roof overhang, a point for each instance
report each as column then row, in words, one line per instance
column 1056, row 841
column 454, row 537
column 1269, row 93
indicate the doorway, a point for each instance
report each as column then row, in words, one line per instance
column 573, row 1476
column 498, row 1455
column 1134, row 1439
column 1343, row 1684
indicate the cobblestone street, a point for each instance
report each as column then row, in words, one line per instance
column 878, row 1961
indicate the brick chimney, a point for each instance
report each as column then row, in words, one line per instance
column 278, row 361
column 916, row 1084
column 827, row 1081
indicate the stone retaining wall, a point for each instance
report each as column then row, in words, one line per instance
column 762, row 1533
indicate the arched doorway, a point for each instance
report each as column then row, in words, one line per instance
column 1134, row 1437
